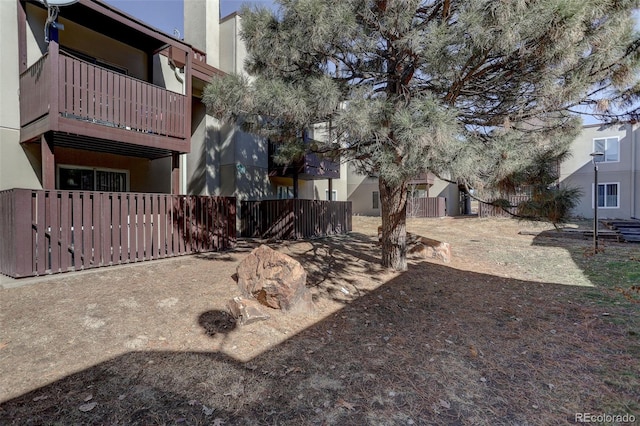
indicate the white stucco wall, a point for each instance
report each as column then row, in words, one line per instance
column 19, row 165
column 578, row 170
column 202, row 27
column 232, row 50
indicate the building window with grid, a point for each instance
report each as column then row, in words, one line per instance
column 610, row 147
column 284, row 192
column 74, row 178
column 334, row 195
column 608, row 195
column 376, row 200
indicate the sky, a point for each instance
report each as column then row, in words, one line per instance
column 167, row 15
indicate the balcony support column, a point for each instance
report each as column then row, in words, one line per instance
column 295, row 182
column 54, row 74
column 48, row 162
column 175, row 173
column 22, row 37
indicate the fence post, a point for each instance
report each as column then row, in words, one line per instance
column 23, row 248
column 231, row 223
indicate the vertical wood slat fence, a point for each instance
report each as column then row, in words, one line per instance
column 47, row 232
column 485, row 210
column 426, row 207
column 294, row 219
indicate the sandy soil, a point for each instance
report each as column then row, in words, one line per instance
column 511, row 331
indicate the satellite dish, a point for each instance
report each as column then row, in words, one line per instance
column 53, row 7
column 50, row 3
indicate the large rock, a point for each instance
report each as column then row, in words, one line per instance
column 275, row 279
column 246, row 311
column 425, row 248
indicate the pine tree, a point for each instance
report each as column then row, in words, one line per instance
column 471, row 90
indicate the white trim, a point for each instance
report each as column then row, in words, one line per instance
column 604, row 158
column 334, row 195
column 617, row 196
column 95, row 169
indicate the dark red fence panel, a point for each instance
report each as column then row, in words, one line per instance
column 46, row 232
column 426, row 207
column 294, row 219
column 487, row 210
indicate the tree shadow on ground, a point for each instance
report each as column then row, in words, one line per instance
column 434, row 345
column 614, row 269
column 330, row 261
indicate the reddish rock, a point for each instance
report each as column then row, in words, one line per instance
column 274, row 279
column 427, row 248
column 246, row 311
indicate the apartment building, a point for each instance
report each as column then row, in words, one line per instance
column 225, row 160
column 94, row 100
column 618, row 176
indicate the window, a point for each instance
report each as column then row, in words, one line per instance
column 334, row 195
column 608, row 195
column 73, row 178
column 95, row 61
column 376, row 200
column 610, row 147
column 284, row 192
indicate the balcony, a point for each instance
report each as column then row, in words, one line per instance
column 90, row 107
column 310, row 167
column 423, row 179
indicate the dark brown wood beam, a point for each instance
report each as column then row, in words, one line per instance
column 175, row 173
column 22, row 37
column 48, row 162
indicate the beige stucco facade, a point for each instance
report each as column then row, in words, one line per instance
column 225, row 160
column 16, row 170
column 619, row 176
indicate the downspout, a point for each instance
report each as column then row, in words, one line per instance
column 183, row 157
column 176, row 71
column 235, row 48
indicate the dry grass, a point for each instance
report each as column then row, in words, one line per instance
column 516, row 330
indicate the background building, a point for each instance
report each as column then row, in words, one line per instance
column 618, row 178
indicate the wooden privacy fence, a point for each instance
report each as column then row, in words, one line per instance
column 426, row 207
column 486, row 210
column 294, row 219
column 47, row 232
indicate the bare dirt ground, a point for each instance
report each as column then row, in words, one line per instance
column 517, row 329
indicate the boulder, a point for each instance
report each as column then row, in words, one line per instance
column 274, row 279
column 425, row 248
column 246, row 311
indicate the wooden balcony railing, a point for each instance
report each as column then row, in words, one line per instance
column 35, row 91
column 74, row 89
column 311, row 166
column 199, row 56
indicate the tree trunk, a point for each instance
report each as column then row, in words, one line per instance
column 393, row 198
